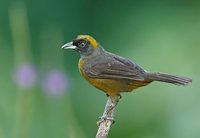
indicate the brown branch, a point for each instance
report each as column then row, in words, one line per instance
column 108, row 117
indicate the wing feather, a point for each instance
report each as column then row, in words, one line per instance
column 115, row 68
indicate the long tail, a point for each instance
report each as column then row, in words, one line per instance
column 177, row 80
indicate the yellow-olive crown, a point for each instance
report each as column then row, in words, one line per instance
column 88, row 38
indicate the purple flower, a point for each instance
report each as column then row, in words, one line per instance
column 25, row 76
column 55, row 82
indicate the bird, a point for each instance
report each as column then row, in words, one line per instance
column 114, row 74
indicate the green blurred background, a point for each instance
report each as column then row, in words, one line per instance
column 42, row 94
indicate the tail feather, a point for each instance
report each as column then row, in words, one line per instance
column 177, row 80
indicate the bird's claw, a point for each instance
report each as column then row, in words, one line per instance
column 103, row 118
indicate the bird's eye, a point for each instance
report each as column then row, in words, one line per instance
column 82, row 44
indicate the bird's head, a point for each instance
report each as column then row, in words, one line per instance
column 84, row 44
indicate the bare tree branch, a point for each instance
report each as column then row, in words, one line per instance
column 108, row 117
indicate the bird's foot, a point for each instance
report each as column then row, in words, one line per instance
column 104, row 118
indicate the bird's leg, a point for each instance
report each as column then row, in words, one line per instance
column 107, row 113
column 106, row 116
column 113, row 106
column 120, row 96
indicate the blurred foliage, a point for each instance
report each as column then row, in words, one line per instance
column 159, row 35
